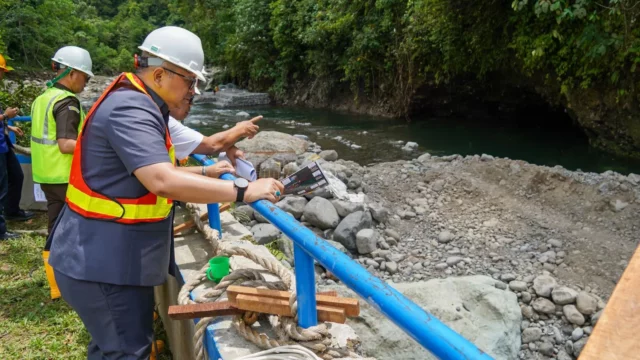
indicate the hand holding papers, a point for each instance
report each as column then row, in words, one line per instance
column 244, row 168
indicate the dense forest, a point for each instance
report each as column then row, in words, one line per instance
column 578, row 54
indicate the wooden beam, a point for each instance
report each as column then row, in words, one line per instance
column 281, row 307
column 351, row 306
column 211, row 309
column 190, row 223
column 616, row 333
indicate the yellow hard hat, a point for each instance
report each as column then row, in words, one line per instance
column 3, row 64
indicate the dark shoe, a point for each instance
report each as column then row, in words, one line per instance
column 20, row 216
column 9, row 236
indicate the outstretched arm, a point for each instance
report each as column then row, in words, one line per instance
column 222, row 141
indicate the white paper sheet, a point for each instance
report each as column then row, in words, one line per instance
column 244, row 168
column 38, row 193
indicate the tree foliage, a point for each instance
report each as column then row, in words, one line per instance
column 386, row 48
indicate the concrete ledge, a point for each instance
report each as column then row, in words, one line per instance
column 192, row 253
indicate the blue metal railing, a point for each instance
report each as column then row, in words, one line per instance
column 21, row 158
column 423, row 327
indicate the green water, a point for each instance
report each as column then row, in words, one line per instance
column 540, row 138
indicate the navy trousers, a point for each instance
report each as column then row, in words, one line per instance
column 14, row 188
column 119, row 318
column 4, row 189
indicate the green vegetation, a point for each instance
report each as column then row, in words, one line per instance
column 378, row 47
column 391, row 48
column 21, row 96
column 382, row 50
column 32, row 326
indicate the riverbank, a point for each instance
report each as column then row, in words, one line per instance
column 557, row 239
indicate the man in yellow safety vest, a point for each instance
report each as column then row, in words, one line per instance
column 56, row 117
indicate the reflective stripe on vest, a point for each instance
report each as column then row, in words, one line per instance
column 49, row 165
column 91, row 204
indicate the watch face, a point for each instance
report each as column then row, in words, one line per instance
column 241, row 182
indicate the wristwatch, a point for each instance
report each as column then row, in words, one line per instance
column 241, row 184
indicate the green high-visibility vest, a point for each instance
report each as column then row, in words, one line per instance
column 48, row 164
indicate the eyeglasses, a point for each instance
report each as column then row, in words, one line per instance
column 193, row 82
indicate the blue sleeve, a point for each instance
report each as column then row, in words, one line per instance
column 136, row 130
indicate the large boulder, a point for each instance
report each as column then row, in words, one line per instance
column 379, row 212
column 329, row 155
column 488, row 317
column 367, row 240
column 265, row 233
column 273, row 142
column 270, row 168
column 350, row 226
column 284, row 148
column 345, row 207
column 321, row 213
column 293, row 204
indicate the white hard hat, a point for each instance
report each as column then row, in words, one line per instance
column 75, row 58
column 178, row 46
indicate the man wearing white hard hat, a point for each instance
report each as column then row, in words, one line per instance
column 113, row 241
column 56, row 118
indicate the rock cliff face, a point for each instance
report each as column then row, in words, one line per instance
column 612, row 124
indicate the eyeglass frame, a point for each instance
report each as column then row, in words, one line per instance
column 194, row 80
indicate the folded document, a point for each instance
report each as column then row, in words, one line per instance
column 244, row 168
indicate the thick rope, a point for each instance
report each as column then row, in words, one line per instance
column 314, row 338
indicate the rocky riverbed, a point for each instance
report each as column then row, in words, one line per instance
column 558, row 240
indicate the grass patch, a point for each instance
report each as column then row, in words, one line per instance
column 32, row 326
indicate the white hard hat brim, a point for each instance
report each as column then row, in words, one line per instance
column 73, row 67
column 197, row 73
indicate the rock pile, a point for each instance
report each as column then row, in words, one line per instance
column 350, row 224
column 559, row 240
column 557, row 320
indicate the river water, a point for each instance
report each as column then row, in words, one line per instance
column 538, row 138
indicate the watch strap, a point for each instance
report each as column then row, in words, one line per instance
column 240, row 194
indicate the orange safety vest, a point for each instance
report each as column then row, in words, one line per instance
column 92, row 204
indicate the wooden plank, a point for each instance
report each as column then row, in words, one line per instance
column 331, row 314
column 190, row 223
column 350, row 305
column 212, row 309
column 234, row 289
column 616, row 333
column 281, row 307
column 223, row 308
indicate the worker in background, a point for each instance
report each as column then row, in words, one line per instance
column 15, row 175
column 56, row 117
column 113, row 240
column 9, row 196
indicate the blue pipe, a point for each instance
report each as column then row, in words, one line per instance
column 213, row 210
column 22, row 159
column 422, row 326
column 12, row 136
column 305, row 287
